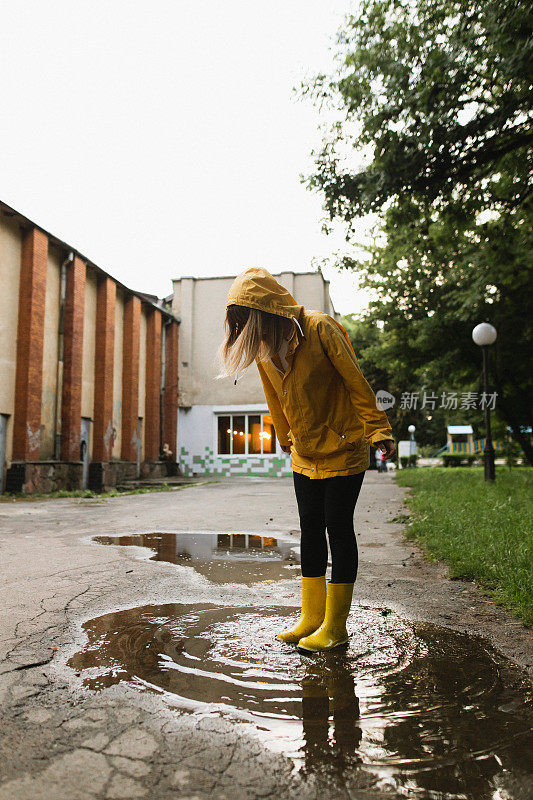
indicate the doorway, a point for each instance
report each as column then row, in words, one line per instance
column 139, row 444
column 85, row 438
column 3, row 438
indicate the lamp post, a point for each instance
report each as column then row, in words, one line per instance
column 412, row 444
column 485, row 335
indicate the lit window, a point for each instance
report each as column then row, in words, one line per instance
column 237, row 440
column 246, row 434
column 254, row 434
column 269, row 435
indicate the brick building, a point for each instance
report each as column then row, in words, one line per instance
column 88, row 368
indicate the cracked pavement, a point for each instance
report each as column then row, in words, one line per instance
column 60, row 741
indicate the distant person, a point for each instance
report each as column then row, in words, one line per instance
column 381, row 465
column 325, row 416
column 166, row 453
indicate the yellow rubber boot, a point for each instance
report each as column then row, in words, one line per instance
column 313, row 609
column 332, row 632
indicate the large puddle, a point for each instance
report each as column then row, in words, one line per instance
column 425, row 709
column 220, row 557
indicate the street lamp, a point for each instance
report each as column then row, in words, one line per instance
column 485, row 335
column 412, row 446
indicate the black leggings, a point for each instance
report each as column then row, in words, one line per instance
column 328, row 503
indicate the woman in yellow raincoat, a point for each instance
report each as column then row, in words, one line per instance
column 325, row 415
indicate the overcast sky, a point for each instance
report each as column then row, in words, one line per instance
column 163, row 139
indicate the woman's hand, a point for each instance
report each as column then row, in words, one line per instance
column 388, row 447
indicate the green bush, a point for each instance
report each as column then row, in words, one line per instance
column 512, row 453
column 460, row 459
column 409, row 461
column 427, row 450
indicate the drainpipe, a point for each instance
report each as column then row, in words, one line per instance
column 60, row 342
column 162, row 383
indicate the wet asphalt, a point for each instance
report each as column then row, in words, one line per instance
column 139, row 658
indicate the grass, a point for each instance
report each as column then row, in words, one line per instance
column 87, row 494
column 483, row 531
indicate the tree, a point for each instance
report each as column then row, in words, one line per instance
column 382, row 363
column 435, row 98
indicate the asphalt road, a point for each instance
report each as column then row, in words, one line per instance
column 61, row 740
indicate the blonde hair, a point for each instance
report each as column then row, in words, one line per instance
column 250, row 334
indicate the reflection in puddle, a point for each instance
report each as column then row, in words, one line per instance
column 423, row 708
column 220, row 557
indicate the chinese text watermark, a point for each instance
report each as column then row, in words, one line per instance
column 433, row 400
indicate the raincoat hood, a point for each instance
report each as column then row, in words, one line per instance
column 257, row 288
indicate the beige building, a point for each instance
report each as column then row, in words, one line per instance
column 223, row 428
column 88, row 368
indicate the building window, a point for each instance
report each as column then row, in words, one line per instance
column 255, row 439
column 238, row 438
column 246, row 434
column 269, row 435
column 224, row 435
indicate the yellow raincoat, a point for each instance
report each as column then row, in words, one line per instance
column 321, row 406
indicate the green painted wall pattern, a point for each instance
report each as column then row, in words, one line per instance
column 211, row 464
